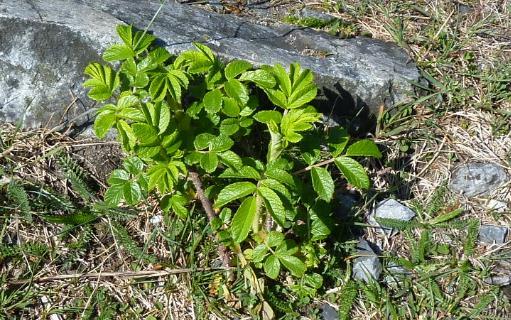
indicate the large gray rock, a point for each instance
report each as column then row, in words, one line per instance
column 46, row 45
column 367, row 266
column 474, row 179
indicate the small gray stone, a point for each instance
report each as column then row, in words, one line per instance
column 492, row 234
column 367, row 266
column 474, row 179
column 502, row 280
column 390, row 209
column 328, row 312
column 497, row 206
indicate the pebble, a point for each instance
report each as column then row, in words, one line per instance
column 492, row 234
column 496, row 205
column 367, row 266
column 474, row 179
column 502, row 280
column 328, row 312
column 390, row 209
column 156, row 220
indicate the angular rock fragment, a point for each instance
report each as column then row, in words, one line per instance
column 497, row 206
column 390, row 209
column 502, row 280
column 328, row 312
column 492, row 234
column 474, row 178
column 367, row 265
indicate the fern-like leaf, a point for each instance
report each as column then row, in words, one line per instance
column 76, row 176
column 472, row 233
column 347, row 297
column 130, row 246
column 19, row 197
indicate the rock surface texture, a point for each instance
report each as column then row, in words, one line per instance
column 328, row 312
column 47, row 44
column 474, row 179
column 367, row 266
column 492, row 234
column 390, row 209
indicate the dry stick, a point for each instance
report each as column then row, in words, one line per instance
column 206, row 204
column 121, row 274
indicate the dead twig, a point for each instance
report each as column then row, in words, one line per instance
column 121, row 274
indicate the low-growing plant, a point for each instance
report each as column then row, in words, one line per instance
column 245, row 141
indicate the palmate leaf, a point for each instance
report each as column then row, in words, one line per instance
column 282, row 79
column 123, row 187
column 298, row 120
column 137, row 40
column 295, row 89
column 197, row 61
column 164, row 176
column 137, row 78
column 301, row 97
column 303, row 89
column 103, row 81
column 243, row 219
column 353, row 171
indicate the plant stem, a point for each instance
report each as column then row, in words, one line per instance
column 208, row 208
column 319, row 164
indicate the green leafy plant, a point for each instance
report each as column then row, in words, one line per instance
column 245, row 141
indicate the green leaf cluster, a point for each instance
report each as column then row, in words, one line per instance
column 252, row 135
